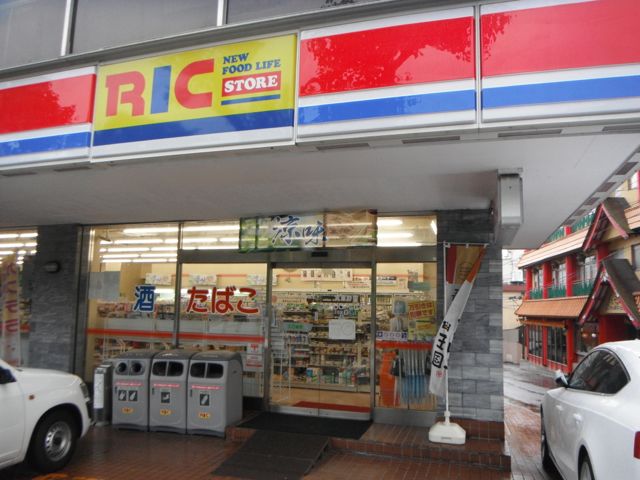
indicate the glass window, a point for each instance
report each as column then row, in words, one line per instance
column 560, row 275
column 223, row 307
column 556, row 345
column 198, row 369
column 30, row 31
column 405, row 326
column 19, row 246
column 131, row 290
column 215, row 370
column 535, row 340
column 175, row 369
column 159, row 369
column 407, row 231
column 101, row 24
column 599, row 372
column 246, row 10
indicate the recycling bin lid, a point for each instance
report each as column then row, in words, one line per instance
column 175, row 354
column 136, row 354
column 218, row 355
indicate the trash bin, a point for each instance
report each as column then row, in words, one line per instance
column 131, row 389
column 102, row 382
column 168, row 397
column 215, row 392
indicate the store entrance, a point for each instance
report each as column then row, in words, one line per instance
column 321, row 341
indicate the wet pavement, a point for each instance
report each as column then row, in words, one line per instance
column 109, row 454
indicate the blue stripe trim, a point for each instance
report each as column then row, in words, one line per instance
column 45, row 144
column 388, row 107
column 572, row 91
column 250, row 99
column 199, row 126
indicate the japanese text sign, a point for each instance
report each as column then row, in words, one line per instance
column 221, row 301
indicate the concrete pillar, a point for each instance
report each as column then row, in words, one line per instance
column 54, row 310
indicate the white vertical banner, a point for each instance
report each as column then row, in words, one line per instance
column 10, row 350
column 461, row 268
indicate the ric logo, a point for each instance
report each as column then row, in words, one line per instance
column 129, row 88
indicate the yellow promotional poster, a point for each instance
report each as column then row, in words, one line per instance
column 422, row 319
column 239, row 87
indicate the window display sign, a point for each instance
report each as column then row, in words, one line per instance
column 297, row 232
column 197, row 98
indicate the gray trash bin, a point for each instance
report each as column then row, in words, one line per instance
column 168, row 397
column 215, row 392
column 131, row 389
column 102, row 382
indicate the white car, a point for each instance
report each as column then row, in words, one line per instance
column 591, row 424
column 43, row 413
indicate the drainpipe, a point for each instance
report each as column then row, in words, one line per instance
column 547, row 279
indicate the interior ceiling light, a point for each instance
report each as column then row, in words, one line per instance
column 434, row 227
column 134, row 241
column 164, row 249
column 395, row 235
column 33, row 252
column 12, row 245
column 200, row 240
column 6, row 252
column 22, row 252
column 29, row 235
column 158, row 255
column 145, row 230
column 119, row 260
column 389, row 222
column 31, row 244
column 106, row 242
column 216, row 247
column 128, row 249
column 120, row 255
column 212, row 228
column 229, row 239
column 9, row 235
column 153, row 260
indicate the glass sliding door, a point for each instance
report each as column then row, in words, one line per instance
column 321, row 341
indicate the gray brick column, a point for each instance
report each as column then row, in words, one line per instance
column 475, row 364
column 54, row 311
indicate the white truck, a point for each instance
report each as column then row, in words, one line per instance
column 43, row 413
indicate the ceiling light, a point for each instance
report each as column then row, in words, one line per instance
column 102, row 250
column 229, row 239
column 29, row 235
column 138, row 241
column 395, row 235
column 119, row 260
column 19, row 263
column 105, row 242
column 151, row 260
column 128, row 249
column 434, row 227
column 169, row 240
column 22, row 252
column 11, row 245
column 33, row 252
column 164, row 249
column 31, row 244
column 121, row 255
column 216, row 247
column 158, row 255
column 142, row 231
column 6, row 252
column 200, row 240
column 212, row 228
column 8, row 235
column 389, row 222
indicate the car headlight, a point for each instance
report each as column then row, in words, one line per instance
column 85, row 392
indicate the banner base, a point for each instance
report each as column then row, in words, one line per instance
column 447, row 432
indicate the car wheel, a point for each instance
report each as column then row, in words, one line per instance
column 53, row 441
column 545, row 455
column 586, row 472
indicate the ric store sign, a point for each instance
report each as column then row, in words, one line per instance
column 223, row 82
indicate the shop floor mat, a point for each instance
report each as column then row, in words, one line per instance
column 330, row 427
column 270, row 455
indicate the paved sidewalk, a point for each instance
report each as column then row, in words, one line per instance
column 109, row 454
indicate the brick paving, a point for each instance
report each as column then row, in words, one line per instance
column 110, row 454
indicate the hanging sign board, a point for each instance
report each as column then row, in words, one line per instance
column 226, row 95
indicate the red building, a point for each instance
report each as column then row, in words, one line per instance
column 582, row 287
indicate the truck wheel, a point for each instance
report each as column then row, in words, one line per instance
column 53, row 441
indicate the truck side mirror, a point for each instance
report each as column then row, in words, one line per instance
column 6, row 376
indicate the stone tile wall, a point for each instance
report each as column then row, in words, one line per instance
column 475, row 364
